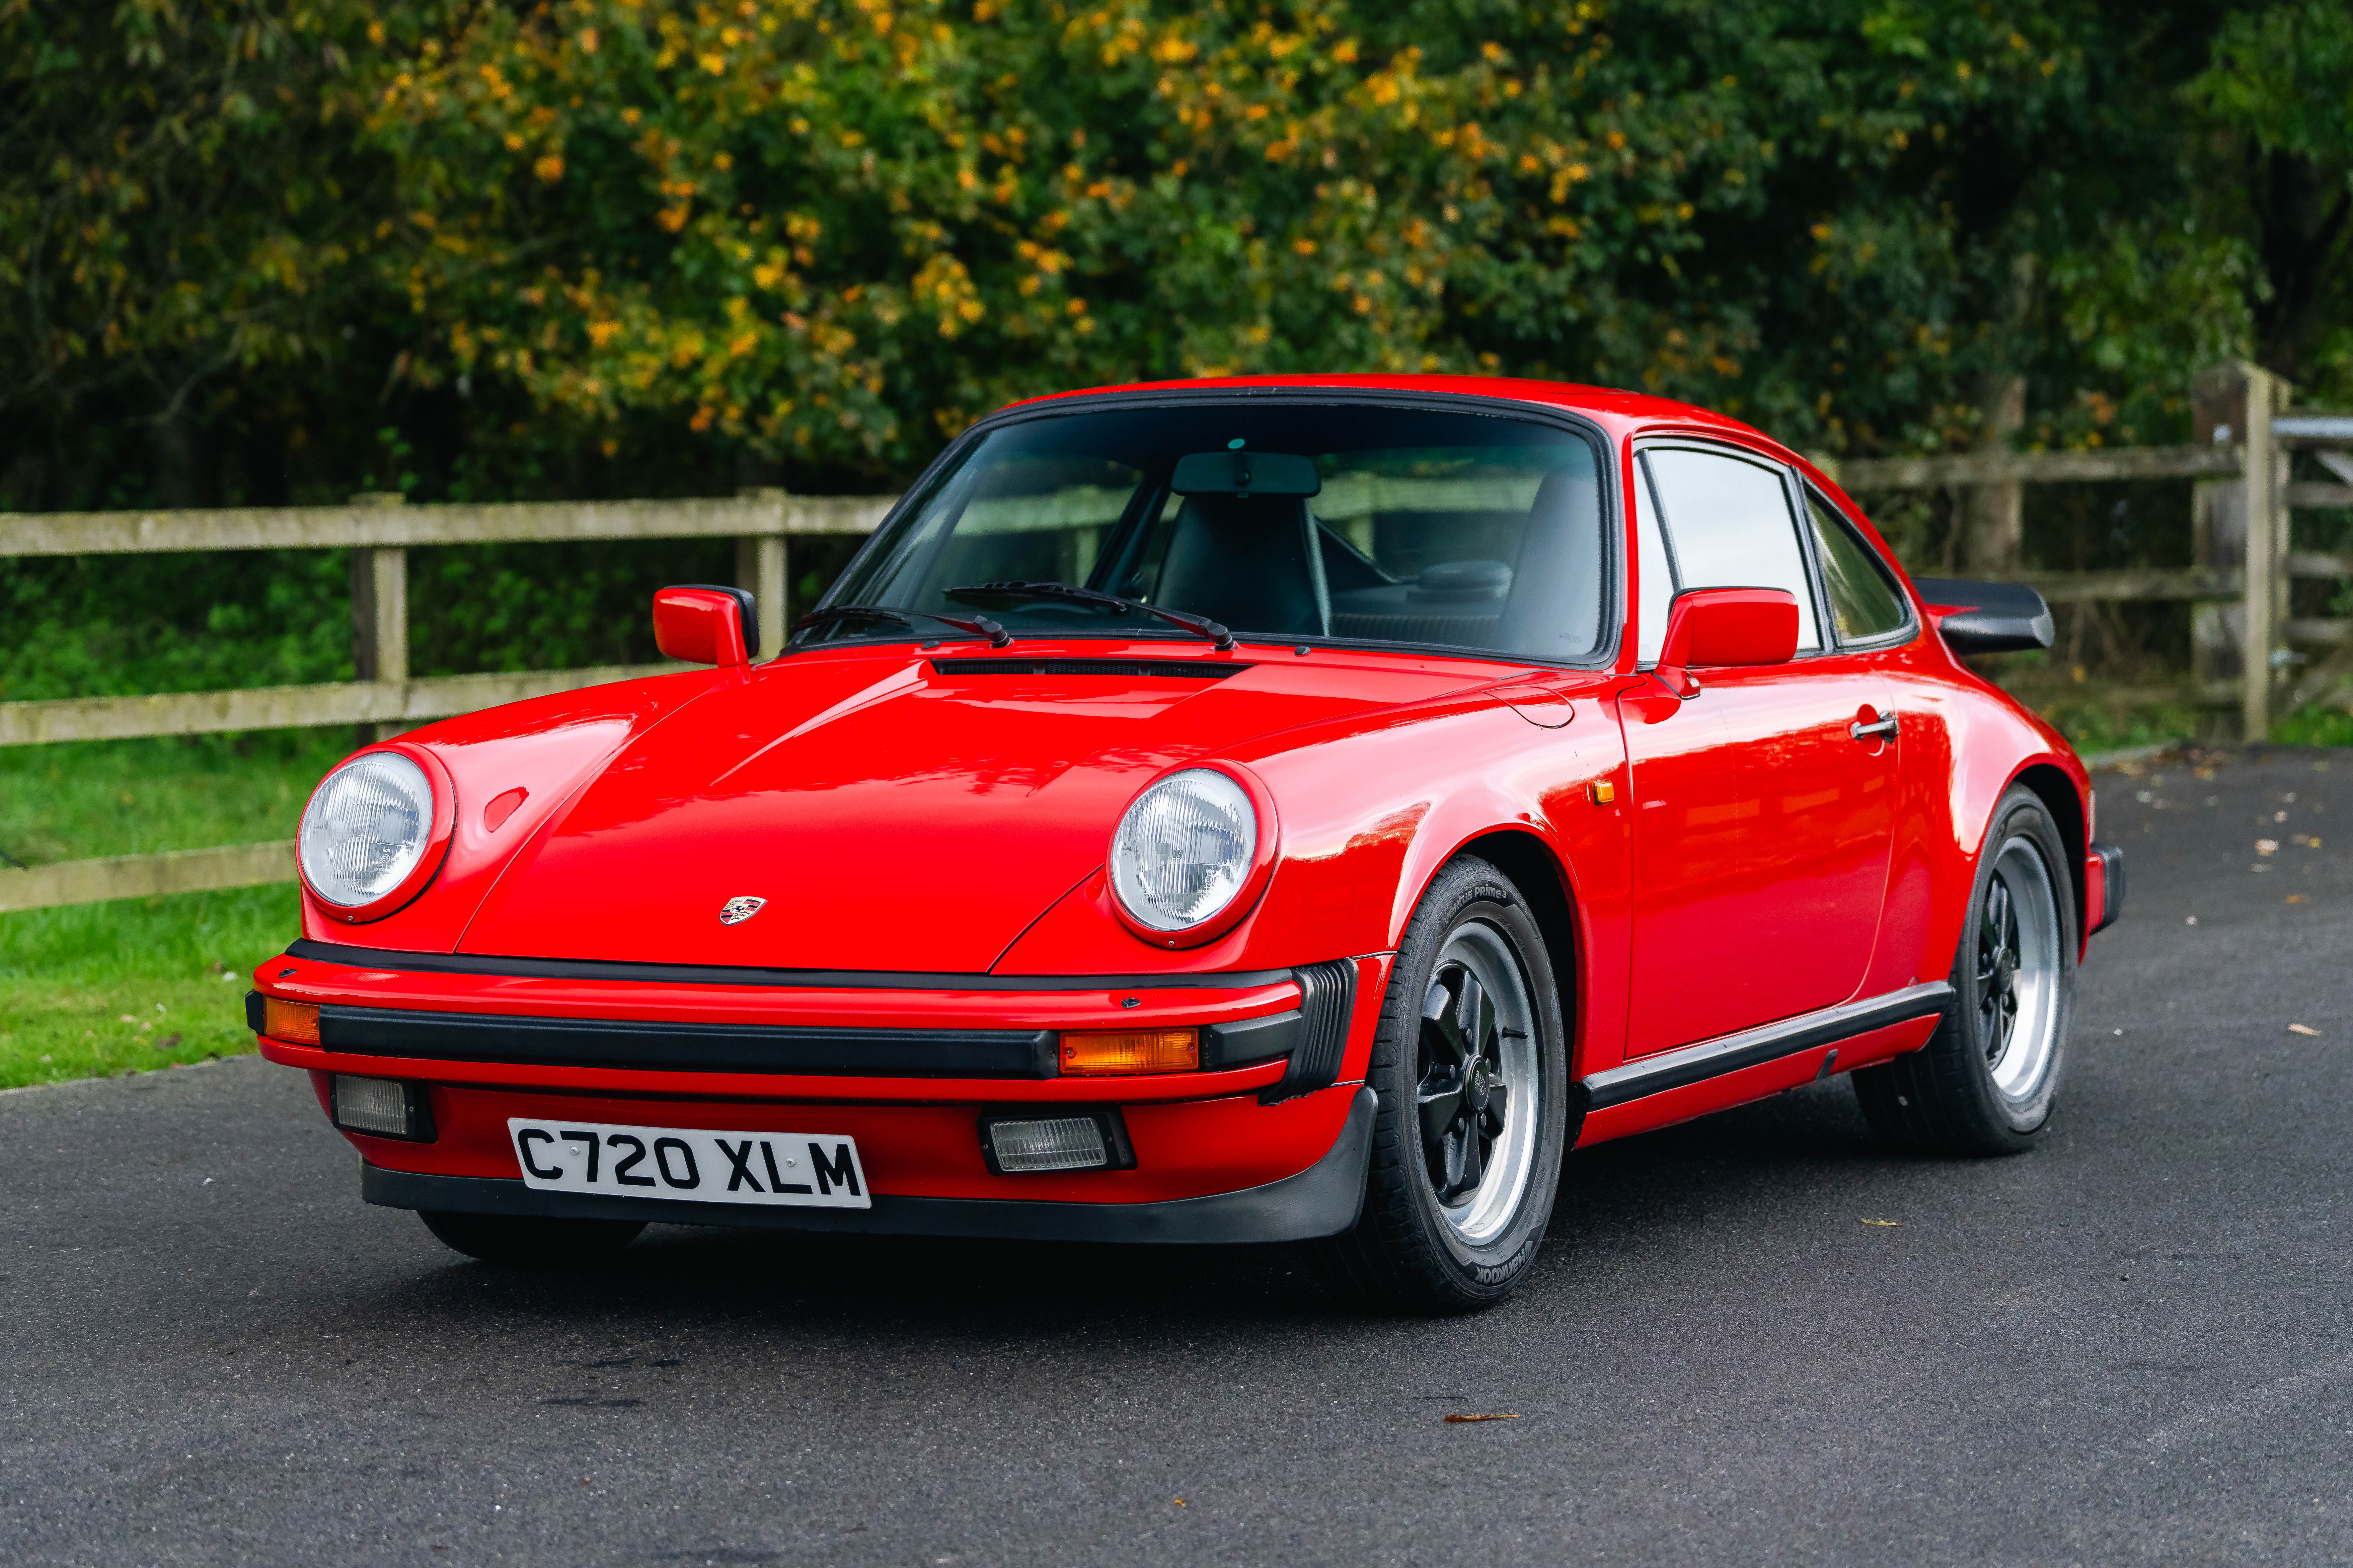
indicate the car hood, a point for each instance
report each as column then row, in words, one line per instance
column 893, row 812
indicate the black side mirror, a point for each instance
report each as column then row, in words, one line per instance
column 1987, row 618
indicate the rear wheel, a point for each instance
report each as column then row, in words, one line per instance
column 531, row 1241
column 1986, row 1082
column 1470, row 1066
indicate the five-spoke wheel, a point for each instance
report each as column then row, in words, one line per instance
column 1470, row 1068
column 1988, row 1075
column 1475, row 1068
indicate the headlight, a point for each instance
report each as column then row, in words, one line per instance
column 366, row 828
column 1184, row 849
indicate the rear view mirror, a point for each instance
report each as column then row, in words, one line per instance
column 1245, row 473
column 1721, row 627
column 700, row 624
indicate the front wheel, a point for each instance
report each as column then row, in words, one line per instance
column 1987, row 1079
column 1470, row 1065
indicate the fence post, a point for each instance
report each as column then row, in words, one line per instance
column 380, row 615
column 2268, row 538
column 1993, row 516
column 760, row 567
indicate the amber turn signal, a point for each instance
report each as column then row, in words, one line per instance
column 1132, row 1051
column 296, row 1022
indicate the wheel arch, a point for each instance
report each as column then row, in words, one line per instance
column 1544, row 881
column 2051, row 786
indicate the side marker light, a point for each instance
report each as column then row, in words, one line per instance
column 1131, row 1051
column 296, row 1022
column 1602, row 791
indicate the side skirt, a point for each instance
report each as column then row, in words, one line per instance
column 1751, row 1047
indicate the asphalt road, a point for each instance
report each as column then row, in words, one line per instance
column 2133, row 1343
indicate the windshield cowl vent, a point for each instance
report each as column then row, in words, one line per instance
column 1176, row 668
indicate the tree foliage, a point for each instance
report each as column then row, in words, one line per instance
column 276, row 250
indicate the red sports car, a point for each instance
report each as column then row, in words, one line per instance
column 1228, row 811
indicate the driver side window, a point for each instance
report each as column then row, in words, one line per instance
column 1729, row 525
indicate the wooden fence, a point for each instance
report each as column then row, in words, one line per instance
column 2239, row 515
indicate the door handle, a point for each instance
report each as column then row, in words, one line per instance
column 1882, row 728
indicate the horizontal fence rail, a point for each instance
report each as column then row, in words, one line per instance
column 394, row 526
column 2240, row 617
column 291, row 707
column 1864, row 475
column 147, row 876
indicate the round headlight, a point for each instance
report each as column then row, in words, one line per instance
column 366, row 828
column 1184, row 849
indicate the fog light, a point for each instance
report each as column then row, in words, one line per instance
column 1132, row 1051
column 296, row 1022
column 1060, row 1143
column 380, row 1106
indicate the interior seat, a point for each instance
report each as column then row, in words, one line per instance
column 1555, row 607
column 1250, row 562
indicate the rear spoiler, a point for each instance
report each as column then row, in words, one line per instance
column 1985, row 617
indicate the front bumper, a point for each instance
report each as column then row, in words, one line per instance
column 1321, row 1200
column 1256, row 1146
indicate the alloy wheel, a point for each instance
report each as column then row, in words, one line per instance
column 1476, row 1095
column 2018, row 964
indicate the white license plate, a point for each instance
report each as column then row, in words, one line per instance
column 798, row 1169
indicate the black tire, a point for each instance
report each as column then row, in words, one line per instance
column 1404, row 1253
column 531, row 1241
column 1947, row 1098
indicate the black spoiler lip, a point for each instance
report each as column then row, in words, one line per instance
column 1987, row 617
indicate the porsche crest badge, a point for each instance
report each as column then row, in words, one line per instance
column 734, row 911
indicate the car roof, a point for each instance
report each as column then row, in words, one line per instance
column 1621, row 411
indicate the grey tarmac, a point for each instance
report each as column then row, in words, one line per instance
column 1753, row 1337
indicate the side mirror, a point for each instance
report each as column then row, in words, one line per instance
column 699, row 623
column 1728, row 627
column 1987, row 618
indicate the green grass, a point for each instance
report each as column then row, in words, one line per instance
column 173, row 967
column 177, row 968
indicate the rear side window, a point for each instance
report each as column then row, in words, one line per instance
column 1864, row 605
column 1729, row 525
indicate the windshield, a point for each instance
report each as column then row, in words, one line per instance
column 1283, row 522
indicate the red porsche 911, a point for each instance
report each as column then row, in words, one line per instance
column 1292, row 810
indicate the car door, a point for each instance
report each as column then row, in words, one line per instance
column 1764, row 805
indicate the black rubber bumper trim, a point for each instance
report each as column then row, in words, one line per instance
column 1713, row 1058
column 2112, row 885
column 806, row 979
column 1321, row 1200
column 687, row 1047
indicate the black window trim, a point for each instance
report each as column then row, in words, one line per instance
column 1807, row 492
column 1825, row 630
column 1614, row 609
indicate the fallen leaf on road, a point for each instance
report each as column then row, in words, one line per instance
column 2266, row 846
column 1890, row 1224
column 2295, row 898
column 1511, row 1417
column 2303, row 1029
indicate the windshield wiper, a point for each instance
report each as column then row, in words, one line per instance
column 876, row 615
column 982, row 592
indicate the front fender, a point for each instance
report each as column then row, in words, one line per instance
column 1369, row 812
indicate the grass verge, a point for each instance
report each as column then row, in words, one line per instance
column 91, row 989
